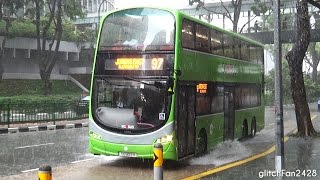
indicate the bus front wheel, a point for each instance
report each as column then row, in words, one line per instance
column 202, row 143
column 245, row 128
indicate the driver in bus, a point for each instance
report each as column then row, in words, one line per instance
column 129, row 40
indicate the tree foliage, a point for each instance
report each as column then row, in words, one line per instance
column 59, row 10
column 22, row 28
column 24, row 23
column 312, row 88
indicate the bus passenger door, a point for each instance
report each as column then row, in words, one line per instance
column 228, row 113
column 186, row 121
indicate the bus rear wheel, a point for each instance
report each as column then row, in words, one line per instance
column 253, row 126
column 245, row 128
column 202, row 143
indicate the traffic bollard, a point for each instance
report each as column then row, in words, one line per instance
column 45, row 173
column 158, row 162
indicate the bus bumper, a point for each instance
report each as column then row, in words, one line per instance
column 140, row 151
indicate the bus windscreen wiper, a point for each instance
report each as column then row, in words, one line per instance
column 108, row 81
column 104, row 79
column 156, row 84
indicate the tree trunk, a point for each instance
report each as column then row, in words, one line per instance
column 46, row 57
column 47, row 84
column 236, row 13
column 295, row 59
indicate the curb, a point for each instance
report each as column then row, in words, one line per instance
column 41, row 128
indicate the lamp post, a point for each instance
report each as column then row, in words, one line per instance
column 98, row 24
column 279, row 155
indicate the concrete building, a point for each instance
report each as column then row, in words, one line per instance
column 74, row 59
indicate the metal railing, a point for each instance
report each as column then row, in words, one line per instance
column 32, row 113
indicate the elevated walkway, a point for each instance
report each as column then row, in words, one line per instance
column 286, row 36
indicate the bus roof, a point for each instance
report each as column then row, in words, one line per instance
column 219, row 29
column 178, row 13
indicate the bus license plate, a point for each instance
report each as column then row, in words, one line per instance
column 126, row 154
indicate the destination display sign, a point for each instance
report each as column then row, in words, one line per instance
column 135, row 63
column 202, row 88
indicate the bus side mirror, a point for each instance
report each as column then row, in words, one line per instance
column 170, row 84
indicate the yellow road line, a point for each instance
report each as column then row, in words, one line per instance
column 240, row 162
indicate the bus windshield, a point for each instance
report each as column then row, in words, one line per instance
column 131, row 104
column 142, row 29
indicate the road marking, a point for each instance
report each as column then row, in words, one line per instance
column 30, row 170
column 239, row 162
column 37, row 145
column 74, row 162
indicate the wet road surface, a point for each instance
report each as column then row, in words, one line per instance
column 26, row 151
column 103, row 167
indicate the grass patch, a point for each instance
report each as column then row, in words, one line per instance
column 9, row 88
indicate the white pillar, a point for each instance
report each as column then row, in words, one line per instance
column 29, row 53
column 87, row 5
column 92, row 6
column 14, row 53
column 44, row 6
column 96, row 6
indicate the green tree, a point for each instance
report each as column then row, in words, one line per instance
column 270, row 81
column 22, row 28
column 47, row 57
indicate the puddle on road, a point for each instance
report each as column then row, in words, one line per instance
column 223, row 153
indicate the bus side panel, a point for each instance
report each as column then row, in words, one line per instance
column 249, row 114
column 197, row 66
column 214, row 125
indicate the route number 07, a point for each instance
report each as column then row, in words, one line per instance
column 157, row 63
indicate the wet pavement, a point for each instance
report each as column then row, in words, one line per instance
column 302, row 157
column 299, row 154
column 24, row 151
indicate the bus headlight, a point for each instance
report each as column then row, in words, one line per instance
column 94, row 135
column 165, row 139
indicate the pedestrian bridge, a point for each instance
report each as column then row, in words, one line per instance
column 287, row 36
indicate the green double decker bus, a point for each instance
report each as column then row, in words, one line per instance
column 160, row 76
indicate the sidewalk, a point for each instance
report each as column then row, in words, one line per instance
column 43, row 125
